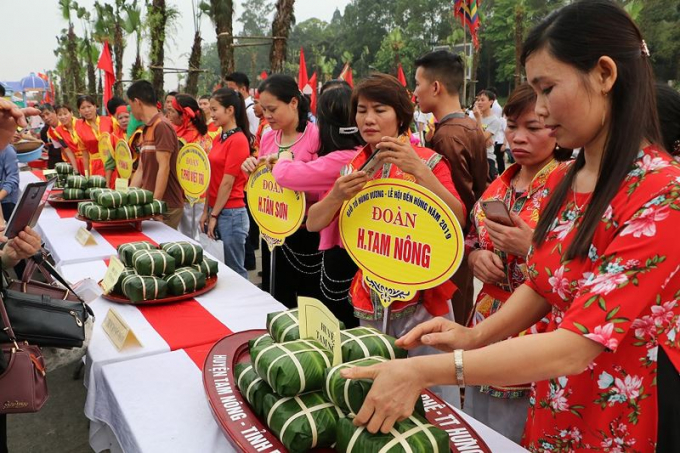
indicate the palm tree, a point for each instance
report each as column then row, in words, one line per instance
column 133, row 24
column 283, row 20
column 118, row 45
column 221, row 13
column 74, row 83
column 86, row 52
column 195, row 57
column 157, row 17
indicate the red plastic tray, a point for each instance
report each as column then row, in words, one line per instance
column 120, row 299
column 135, row 223
column 57, row 201
column 242, row 422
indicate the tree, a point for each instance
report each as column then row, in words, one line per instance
column 195, row 56
column 157, row 18
column 283, row 20
column 221, row 13
column 118, row 44
column 86, row 52
column 73, row 83
column 133, row 24
column 254, row 57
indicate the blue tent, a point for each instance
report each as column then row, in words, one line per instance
column 33, row 82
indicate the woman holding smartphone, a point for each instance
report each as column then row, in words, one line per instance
column 497, row 252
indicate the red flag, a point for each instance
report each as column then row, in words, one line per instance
column 400, row 75
column 303, row 79
column 48, row 97
column 263, row 75
column 346, row 75
column 106, row 64
column 312, row 84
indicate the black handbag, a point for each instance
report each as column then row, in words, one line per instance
column 40, row 318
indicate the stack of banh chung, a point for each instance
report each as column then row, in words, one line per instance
column 79, row 187
column 152, row 272
column 108, row 204
column 293, row 387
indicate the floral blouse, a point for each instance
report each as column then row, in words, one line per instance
column 492, row 296
column 624, row 295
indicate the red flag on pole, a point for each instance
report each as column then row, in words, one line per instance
column 346, row 75
column 263, row 75
column 312, row 84
column 303, row 79
column 106, row 64
column 400, row 75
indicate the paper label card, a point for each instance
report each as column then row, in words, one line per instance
column 84, row 237
column 121, row 185
column 318, row 323
column 120, row 334
column 48, row 173
column 112, row 275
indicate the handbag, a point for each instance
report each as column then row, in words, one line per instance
column 44, row 314
column 23, row 387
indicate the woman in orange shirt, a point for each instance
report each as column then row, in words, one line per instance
column 90, row 128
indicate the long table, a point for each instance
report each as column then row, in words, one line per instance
column 150, row 398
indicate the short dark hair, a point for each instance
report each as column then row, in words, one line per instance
column 488, row 93
column 523, row 98
column 240, row 79
column 444, row 67
column 172, row 93
column 204, row 97
column 46, row 107
column 85, row 98
column 63, row 106
column 387, row 90
column 144, row 91
column 333, row 84
column 285, row 88
column 668, row 104
column 113, row 104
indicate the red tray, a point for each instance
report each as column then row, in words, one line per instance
column 59, row 202
column 120, row 299
column 135, row 223
column 235, row 348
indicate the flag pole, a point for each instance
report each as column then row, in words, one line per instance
column 465, row 96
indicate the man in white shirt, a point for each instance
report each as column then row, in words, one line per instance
column 239, row 81
column 490, row 124
column 499, row 141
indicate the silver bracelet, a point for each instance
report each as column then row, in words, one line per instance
column 458, row 361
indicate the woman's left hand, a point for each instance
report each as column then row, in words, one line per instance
column 514, row 240
column 26, row 244
column 393, row 395
column 212, row 224
column 394, row 151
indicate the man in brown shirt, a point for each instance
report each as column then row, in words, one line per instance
column 157, row 170
column 439, row 78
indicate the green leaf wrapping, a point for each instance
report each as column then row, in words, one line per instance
column 119, row 284
column 82, row 207
column 185, row 280
column 125, row 251
column 76, row 182
column 113, row 199
column 73, row 194
column 184, row 252
column 284, row 325
column 129, row 212
column 139, row 288
column 96, row 212
column 153, row 262
column 302, row 422
column 348, row 394
column 96, row 181
column 252, row 387
column 95, row 192
column 156, row 207
column 63, row 168
column 413, row 435
column 364, row 342
column 138, row 196
column 290, row 368
column 208, row 267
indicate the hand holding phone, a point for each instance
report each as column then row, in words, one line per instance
column 30, row 205
column 497, row 212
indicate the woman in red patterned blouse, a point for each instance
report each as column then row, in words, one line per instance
column 497, row 253
column 605, row 265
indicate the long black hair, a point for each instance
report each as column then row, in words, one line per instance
column 337, row 130
column 579, row 35
column 668, row 102
column 231, row 98
column 285, row 88
column 185, row 100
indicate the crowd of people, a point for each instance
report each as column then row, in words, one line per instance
column 573, row 342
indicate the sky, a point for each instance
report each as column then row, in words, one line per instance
column 30, row 27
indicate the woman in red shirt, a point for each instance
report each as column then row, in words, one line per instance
column 604, row 264
column 90, row 127
column 225, row 214
column 67, row 132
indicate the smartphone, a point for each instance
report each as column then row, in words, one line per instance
column 497, row 211
column 31, row 204
column 371, row 164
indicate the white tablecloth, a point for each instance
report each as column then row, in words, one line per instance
column 157, row 404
